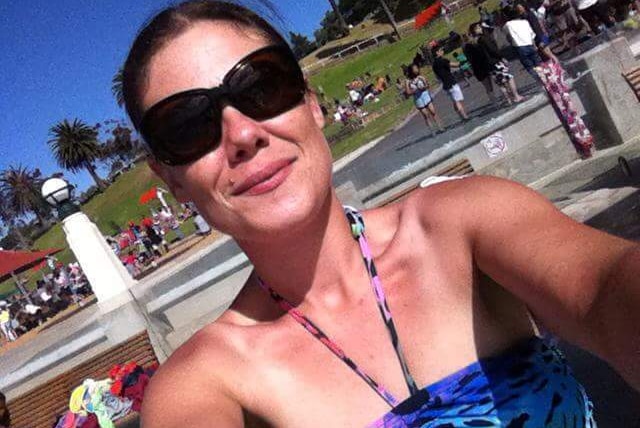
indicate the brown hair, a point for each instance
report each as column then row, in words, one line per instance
column 172, row 22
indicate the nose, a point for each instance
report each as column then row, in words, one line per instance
column 242, row 136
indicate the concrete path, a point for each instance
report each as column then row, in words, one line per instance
column 414, row 140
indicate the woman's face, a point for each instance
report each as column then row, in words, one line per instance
column 265, row 177
column 415, row 70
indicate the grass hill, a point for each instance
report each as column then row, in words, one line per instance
column 109, row 210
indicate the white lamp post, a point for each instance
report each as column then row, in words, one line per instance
column 106, row 274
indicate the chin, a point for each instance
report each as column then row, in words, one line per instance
column 282, row 216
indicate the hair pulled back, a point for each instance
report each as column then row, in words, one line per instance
column 171, row 23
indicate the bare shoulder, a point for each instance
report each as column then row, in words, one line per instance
column 196, row 385
column 190, row 388
column 469, row 199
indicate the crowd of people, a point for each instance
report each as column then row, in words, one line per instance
column 360, row 91
column 535, row 30
column 138, row 246
column 61, row 287
column 142, row 243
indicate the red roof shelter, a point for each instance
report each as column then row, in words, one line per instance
column 15, row 262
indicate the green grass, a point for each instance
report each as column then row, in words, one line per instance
column 380, row 61
column 376, row 128
column 109, row 210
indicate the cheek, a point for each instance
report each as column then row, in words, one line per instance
column 202, row 180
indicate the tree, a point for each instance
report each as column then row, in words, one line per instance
column 341, row 21
column 75, row 147
column 116, row 87
column 301, row 45
column 330, row 29
column 20, row 191
column 9, row 218
column 120, row 145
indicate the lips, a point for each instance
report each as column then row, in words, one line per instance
column 265, row 179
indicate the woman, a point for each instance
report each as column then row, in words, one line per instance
column 489, row 66
column 417, row 86
column 224, row 109
column 536, row 18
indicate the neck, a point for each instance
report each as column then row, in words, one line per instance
column 316, row 263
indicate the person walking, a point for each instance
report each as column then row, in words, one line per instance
column 417, row 86
column 442, row 69
column 489, row 66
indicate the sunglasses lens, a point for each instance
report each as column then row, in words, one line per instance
column 267, row 84
column 187, row 126
column 182, row 130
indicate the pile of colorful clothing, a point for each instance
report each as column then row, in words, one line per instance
column 99, row 403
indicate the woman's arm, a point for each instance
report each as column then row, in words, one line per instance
column 426, row 82
column 581, row 283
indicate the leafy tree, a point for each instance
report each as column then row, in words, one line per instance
column 20, row 190
column 330, row 29
column 339, row 17
column 120, row 144
column 116, row 87
column 75, row 146
column 14, row 236
column 301, row 45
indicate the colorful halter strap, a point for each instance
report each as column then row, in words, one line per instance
column 357, row 230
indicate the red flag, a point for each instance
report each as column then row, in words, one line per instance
column 148, row 196
column 427, row 15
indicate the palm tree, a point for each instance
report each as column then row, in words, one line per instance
column 9, row 219
column 20, row 189
column 75, row 147
column 116, row 87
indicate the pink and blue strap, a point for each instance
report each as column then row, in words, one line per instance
column 357, row 230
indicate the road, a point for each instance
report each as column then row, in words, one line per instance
column 414, row 141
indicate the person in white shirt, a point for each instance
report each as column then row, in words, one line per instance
column 522, row 37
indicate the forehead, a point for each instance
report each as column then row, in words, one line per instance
column 197, row 58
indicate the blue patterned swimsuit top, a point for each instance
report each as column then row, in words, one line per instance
column 529, row 385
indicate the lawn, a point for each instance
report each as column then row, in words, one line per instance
column 381, row 61
column 109, row 210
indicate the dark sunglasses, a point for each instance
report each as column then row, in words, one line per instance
column 185, row 126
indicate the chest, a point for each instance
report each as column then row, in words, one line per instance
column 438, row 309
column 300, row 372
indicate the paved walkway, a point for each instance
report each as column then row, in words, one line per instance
column 414, row 140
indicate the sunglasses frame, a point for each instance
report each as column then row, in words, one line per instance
column 220, row 96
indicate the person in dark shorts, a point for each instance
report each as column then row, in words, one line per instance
column 442, row 69
column 489, row 66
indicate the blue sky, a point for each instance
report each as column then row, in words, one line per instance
column 57, row 61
